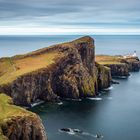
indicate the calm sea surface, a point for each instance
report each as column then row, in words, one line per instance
column 116, row 113
column 12, row 45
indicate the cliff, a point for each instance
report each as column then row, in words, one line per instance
column 104, row 76
column 17, row 123
column 65, row 70
column 119, row 65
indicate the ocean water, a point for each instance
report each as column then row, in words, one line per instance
column 105, row 44
column 115, row 114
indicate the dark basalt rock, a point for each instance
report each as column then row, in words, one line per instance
column 68, row 130
column 65, row 129
column 125, row 66
column 133, row 64
column 118, row 70
column 120, row 66
column 104, row 76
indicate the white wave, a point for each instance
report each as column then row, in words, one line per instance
column 70, row 132
column 95, row 98
column 60, row 103
column 110, row 88
column 92, row 135
column 37, row 103
column 76, row 130
column 79, row 133
column 121, row 77
column 76, row 99
column 69, row 99
column 88, row 134
column 130, row 75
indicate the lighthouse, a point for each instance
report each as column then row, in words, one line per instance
column 134, row 54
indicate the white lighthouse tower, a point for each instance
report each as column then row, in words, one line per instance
column 134, row 54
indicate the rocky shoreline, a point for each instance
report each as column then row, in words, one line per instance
column 75, row 72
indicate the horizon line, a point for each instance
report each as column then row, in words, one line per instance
column 67, row 31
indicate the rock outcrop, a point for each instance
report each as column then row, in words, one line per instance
column 118, row 70
column 133, row 63
column 73, row 74
column 119, row 66
column 19, row 124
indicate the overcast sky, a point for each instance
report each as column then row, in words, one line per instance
column 69, row 16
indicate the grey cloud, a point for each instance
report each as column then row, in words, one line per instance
column 70, row 12
column 13, row 9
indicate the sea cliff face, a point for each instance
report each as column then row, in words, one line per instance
column 133, row 63
column 118, row 69
column 19, row 124
column 120, row 66
column 72, row 75
column 104, row 76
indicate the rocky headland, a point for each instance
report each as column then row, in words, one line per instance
column 65, row 70
column 68, row 70
column 120, row 66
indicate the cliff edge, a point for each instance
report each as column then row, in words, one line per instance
column 17, row 123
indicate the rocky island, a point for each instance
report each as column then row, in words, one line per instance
column 67, row 70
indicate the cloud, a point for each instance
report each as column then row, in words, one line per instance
column 70, row 14
column 64, row 31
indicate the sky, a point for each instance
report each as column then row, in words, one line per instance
column 69, row 17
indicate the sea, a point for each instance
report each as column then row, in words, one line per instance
column 113, row 115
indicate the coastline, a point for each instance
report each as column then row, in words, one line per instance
column 73, row 73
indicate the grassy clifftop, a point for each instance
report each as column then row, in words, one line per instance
column 13, row 67
column 8, row 111
column 17, row 123
column 107, row 59
column 119, row 65
column 7, row 108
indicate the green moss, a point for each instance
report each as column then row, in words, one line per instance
column 89, row 86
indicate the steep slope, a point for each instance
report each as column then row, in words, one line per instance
column 104, row 76
column 61, row 71
column 17, row 123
